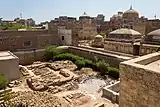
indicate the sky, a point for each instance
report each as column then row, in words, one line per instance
column 46, row 10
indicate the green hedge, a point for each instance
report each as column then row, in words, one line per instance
column 54, row 53
column 50, row 52
column 81, row 62
column 113, row 72
column 3, row 82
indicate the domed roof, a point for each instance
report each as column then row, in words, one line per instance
column 131, row 11
column 98, row 36
column 125, row 31
column 84, row 15
column 155, row 33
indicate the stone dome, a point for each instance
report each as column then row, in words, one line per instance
column 125, row 31
column 98, row 36
column 152, row 37
column 131, row 11
column 84, row 15
column 154, row 33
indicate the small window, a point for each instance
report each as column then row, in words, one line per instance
column 27, row 43
column 62, row 37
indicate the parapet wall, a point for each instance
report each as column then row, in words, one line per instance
column 28, row 57
column 112, row 59
column 139, row 86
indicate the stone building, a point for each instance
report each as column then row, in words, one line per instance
column 139, row 82
column 150, row 43
column 98, row 41
column 123, row 40
column 9, row 65
column 152, row 24
column 130, row 16
column 116, row 21
column 84, row 17
column 65, row 36
column 53, row 30
column 24, row 40
column 86, row 30
column 140, row 27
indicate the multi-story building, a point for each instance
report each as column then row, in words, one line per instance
column 24, row 40
column 65, row 35
column 116, row 21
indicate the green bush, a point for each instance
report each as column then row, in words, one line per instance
column 102, row 67
column 80, row 64
column 89, row 63
column 113, row 72
column 50, row 52
column 67, row 56
column 3, row 82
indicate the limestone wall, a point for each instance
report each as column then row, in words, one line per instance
column 93, row 55
column 119, row 47
column 140, row 84
column 147, row 49
column 28, row 57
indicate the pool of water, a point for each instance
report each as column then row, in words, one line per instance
column 92, row 86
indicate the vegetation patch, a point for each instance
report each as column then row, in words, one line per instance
column 53, row 53
column 3, row 82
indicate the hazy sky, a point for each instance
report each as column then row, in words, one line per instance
column 41, row 10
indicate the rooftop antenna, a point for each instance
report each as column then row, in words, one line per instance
column 130, row 7
column 21, row 15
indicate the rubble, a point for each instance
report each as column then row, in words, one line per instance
column 36, row 99
column 64, row 72
column 48, row 78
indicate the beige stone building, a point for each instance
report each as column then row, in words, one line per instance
column 98, row 41
column 130, row 16
column 139, row 82
column 65, row 35
column 140, row 27
column 150, row 43
column 87, row 30
column 123, row 40
column 24, row 40
column 9, row 65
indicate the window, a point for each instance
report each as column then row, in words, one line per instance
column 27, row 43
column 62, row 37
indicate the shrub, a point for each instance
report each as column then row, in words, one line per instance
column 80, row 64
column 102, row 67
column 89, row 63
column 3, row 81
column 67, row 56
column 50, row 52
column 113, row 72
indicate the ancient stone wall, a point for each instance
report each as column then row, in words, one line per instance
column 119, row 47
column 28, row 57
column 19, row 40
column 139, row 86
column 147, row 49
column 93, row 55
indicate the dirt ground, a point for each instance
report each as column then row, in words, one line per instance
column 43, row 83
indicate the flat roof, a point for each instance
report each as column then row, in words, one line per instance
column 149, row 62
column 7, row 55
